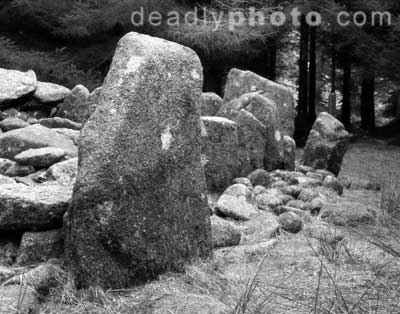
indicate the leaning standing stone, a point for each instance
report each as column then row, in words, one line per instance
column 139, row 206
column 326, row 145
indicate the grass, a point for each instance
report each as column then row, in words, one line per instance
column 322, row 270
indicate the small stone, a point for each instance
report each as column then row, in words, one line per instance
column 297, row 204
column 260, row 177
column 243, row 181
column 307, row 195
column 15, row 84
column 304, row 169
column 41, row 157
column 50, row 93
column 290, row 222
column 286, row 198
column 12, row 123
column 289, row 153
column 315, row 175
column 240, row 191
column 331, row 182
column 18, row 170
column 259, row 190
column 60, row 123
column 279, row 184
column 64, row 172
column 39, row 247
column 268, row 202
column 232, row 207
column 224, row 233
column 5, row 164
column 316, row 205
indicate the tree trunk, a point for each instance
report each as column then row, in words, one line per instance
column 333, row 73
column 368, row 101
column 346, row 105
column 312, row 114
column 303, row 66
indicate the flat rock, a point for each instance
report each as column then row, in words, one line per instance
column 60, row 123
column 41, row 157
column 39, row 247
column 18, row 170
column 35, row 136
column 50, row 93
column 15, row 84
column 64, row 172
column 13, row 123
column 39, row 207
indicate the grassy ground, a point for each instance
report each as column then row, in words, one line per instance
column 324, row 269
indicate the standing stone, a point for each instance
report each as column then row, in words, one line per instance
column 15, row 84
column 289, row 153
column 242, row 82
column 210, row 104
column 139, row 206
column 76, row 106
column 220, row 146
column 326, row 145
column 260, row 137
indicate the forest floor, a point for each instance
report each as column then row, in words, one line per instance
column 323, row 269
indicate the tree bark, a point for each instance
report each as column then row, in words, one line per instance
column 346, row 105
column 368, row 101
column 312, row 114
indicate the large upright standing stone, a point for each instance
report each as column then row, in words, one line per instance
column 139, row 206
column 242, row 82
column 327, row 144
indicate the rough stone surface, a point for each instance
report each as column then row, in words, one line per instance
column 79, row 105
column 15, row 84
column 219, row 151
column 13, row 123
column 224, row 233
column 243, row 181
column 257, row 117
column 242, row 82
column 290, row 222
column 18, row 170
column 30, row 208
column 40, row 157
column 35, row 136
column 331, row 182
column 210, row 104
column 289, row 153
column 50, row 93
column 10, row 300
column 268, row 202
column 236, row 208
column 260, row 177
column 326, row 145
column 240, row 191
column 348, row 214
column 140, row 200
column 5, row 164
column 6, row 180
column 64, row 172
column 307, row 195
column 60, row 123
column 39, row 247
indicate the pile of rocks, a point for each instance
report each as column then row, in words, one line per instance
column 293, row 196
